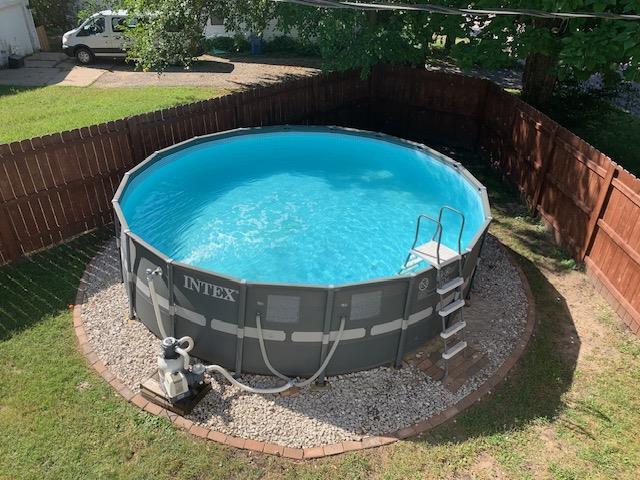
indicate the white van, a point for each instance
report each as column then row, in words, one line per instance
column 100, row 35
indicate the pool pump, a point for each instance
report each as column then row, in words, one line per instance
column 176, row 376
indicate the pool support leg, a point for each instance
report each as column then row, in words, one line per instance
column 405, row 322
column 475, row 267
column 129, row 281
column 172, row 306
column 240, row 331
column 326, row 331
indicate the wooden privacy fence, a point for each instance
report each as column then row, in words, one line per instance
column 57, row 186
column 591, row 203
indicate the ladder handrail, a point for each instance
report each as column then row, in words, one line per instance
column 438, row 232
column 417, row 234
column 418, row 223
column 458, row 212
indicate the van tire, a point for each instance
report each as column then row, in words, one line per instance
column 84, row 55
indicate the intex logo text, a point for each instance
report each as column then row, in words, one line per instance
column 206, row 288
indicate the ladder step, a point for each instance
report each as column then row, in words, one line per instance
column 410, row 265
column 453, row 329
column 450, row 285
column 453, row 351
column 452, row 307
column 412, row 262
column 432, row 252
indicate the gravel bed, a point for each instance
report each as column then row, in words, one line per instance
column 356, row 405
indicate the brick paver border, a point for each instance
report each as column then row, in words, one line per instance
column 313, row 452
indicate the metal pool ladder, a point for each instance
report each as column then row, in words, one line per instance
column 449, row 288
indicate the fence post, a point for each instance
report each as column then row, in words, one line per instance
column 8, row 235
column 133, row 135
column 598, row 209
column 544, row 168
column 481, row 114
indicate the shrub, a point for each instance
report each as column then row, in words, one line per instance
column 235, row 44
column 241, row 44
column 225, row 44
column 292, row 46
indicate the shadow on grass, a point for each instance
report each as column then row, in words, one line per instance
column 534, row 388
column 44, row 284
column 8, row 90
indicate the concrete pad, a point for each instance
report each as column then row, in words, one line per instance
column 39, row 76
column 81, row 76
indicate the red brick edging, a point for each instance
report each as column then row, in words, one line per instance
column 313, row 452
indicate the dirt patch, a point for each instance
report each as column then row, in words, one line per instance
column 484, row 467
column 215, row 72
column 588, row 338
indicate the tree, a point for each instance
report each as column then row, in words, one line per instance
column 166, row 32
column 55, row 15
column 549, row 49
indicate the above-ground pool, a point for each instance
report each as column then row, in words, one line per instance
column 305, row 227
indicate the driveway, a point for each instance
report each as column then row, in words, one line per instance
column 209, row 71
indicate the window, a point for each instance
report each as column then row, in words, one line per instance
column 120, row 24
column 94, row 26
column 215, row 20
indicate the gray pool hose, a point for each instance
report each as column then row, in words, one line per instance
column 263, row 350
column 152, row 293
column 311, row 379
column 334, row 347
column 224, row 372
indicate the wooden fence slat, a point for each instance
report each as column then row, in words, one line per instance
column 546, row 164
column 612, row 171
column 11, row 249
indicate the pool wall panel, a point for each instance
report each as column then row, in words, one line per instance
column 287, row 313
column 207, row 307
column 373, row 313
column 142, row 259
column 423, row 320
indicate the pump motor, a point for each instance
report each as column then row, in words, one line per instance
column 176, row 375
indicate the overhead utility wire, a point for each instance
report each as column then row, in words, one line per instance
column 423, row 7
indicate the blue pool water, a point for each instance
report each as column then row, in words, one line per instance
column 313, row 207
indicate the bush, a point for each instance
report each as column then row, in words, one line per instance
column 291, row 46
column 236, row 44
column 241, row 44
column 220, row 43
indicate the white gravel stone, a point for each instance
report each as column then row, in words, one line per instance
column 356, row 405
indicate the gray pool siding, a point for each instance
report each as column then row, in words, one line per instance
column 299, row 322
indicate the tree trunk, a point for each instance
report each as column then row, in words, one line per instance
column 539, row 79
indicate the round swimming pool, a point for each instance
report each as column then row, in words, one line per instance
column 304, row 227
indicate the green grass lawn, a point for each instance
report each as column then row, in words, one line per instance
column 571, row 408
column 31, row 112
